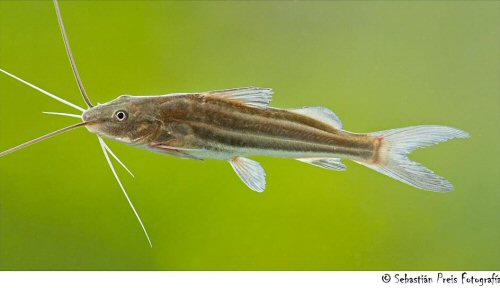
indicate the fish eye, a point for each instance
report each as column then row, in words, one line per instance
column 121, row 115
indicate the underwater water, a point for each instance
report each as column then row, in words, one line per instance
column 378, row 65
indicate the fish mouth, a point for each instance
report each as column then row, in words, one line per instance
column 93, row 127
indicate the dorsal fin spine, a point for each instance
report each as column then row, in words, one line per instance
column 249, row 96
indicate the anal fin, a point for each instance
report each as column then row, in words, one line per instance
column 327, row 163
column 250, row 172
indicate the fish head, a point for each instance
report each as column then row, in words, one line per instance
column 128, row 119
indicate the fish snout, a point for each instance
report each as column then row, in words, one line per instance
column 86, row 116
column 89, row 116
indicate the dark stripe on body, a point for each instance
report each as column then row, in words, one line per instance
column 214, row 120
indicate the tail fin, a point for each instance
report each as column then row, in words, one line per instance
column 396, row 143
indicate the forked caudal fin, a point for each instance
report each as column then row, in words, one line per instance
column 395, row 144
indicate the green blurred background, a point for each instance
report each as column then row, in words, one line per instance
column 378, row 65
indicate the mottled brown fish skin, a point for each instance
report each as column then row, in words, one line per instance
column 221, row 125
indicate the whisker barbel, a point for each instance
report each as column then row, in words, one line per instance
column 104, row 146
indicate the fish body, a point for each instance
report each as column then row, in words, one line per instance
column 237, row 123
column 213, row 127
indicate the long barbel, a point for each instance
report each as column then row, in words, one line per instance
column 104, row 146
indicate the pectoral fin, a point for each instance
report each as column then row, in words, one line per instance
column 174, row 151
column 327, row 163
column 250, row 172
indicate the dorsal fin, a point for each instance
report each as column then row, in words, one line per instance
column 249, row 96
column 321, row 114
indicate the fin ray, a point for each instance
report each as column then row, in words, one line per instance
column 395, row 144
column 250, row 172
column 249, row 96
column 327, row 163
column 173, row 150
